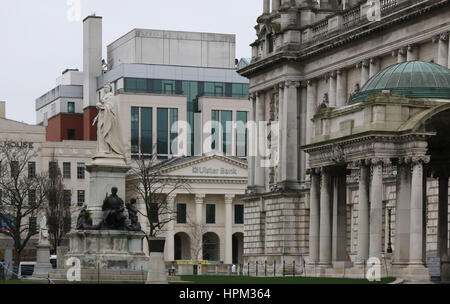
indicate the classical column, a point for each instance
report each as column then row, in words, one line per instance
column 314, row 217
column 325, row 220
column 252, row 148
column 282, row 125
column 266, row 6
column 376, row 209
column 402, row 212
column 261, row 144
column 229, row 229
column 363, row 213
column 443, row 49
column 199, row 222
column 416, row 224
column 412, row 52
column 341, row 88
column 289, row 120
column 311, row 108
column 339, row 235
column 276, row 5
column 332, row 89
column 374, row 66
column 443, row 215
column 364, row 66
column 170, row 243
column 401, row 54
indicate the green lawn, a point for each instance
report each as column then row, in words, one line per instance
column 272, row 280
column 23, row 282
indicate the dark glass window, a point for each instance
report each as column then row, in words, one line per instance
column 70, row 107
column 31, row 169
column 239, row 214
column 32, row 198
column 241, row 134
column 146, row 130
column 210, row 214
column 227, row 117
column 81, row 197
column 270, row 42
column 67, row 171
column 181, row 213
column 80, row 170
column 215, row 120
column 173, row 131
column 163, row 131
column 70, row 134
column 14, row 168
column 154, row 213
column 136, row 85
column 134, row 130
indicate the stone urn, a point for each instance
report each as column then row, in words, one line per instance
column 157, row 267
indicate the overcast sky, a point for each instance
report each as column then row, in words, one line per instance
column 38, row 41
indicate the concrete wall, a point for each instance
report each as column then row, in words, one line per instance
column 174, row 48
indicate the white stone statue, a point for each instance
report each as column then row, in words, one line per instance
column 43, row 230
column 109, row 136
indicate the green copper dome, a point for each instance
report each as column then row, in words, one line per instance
column 414, row 79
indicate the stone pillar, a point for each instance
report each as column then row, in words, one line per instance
column 374, row 66
column 229, row 229
column 289, row 120
column 170, row 242
column 282, row 129
column 443, row 216
column 412, row 53
column 401, row 54
column 402, row 212
column 341, row 88
column 314, row 217
column 252, row 149
column 364, row 66
column 376, row 209
column 261, row 144
column 332, row 89
column 266, row 7
column 339, row 235
column 363, row 214
column 199, row 222
column 325, row 220
column 443, row 49
column 311, row 108
column 416, row 223
column 276, row 5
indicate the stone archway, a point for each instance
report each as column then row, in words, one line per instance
column 182, row 243
column 211, row 247
column 238, row 248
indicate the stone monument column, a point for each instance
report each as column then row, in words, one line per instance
column 443, row 215
column 325, row 220
column 229, row 229
column 266, row 7
column 443, row 49
column 199, row 221
column 376, row 209
column 290, row 141
column 252, row 149
column 364, row 66
column 374, row 66
column 332, row 89
column 341, row 88
column 314, row 217
column 363, row 213
column 43, row 265
column 170, row 243
column 261, row 144
column 412, row 52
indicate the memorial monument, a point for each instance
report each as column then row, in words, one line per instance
column 43, row 265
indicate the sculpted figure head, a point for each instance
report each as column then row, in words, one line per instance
column 114, row 191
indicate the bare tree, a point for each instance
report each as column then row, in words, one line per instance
column 154, row 189
column 196, row 231
column 23, row 193
column 58, row 207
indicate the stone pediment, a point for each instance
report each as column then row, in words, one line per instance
column 210, row 167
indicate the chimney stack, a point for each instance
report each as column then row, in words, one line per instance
column 92, row 68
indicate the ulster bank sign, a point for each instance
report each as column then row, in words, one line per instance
column 214, row 171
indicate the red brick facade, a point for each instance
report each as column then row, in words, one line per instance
column 59, row 126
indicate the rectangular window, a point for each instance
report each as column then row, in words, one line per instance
column 134, row 130
column 53, row 169
column 173, row 131
column 67, row 198
column 226, row 119
column 31, row 169
column 163, row 131
column 241, row 134
column 146, row 130
column 136, row 85
column 80, row 170
column 32, row 198
column 81, row 197
column 71, row 134
column 154, row 213
column 181, row 213
column 215, row 121
column 67, row 171
column 32, row 224
column 70, row 107
column 14, row 168
column 210, row 214
column 239, row 214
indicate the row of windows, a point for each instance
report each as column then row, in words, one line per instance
column 210, row 214
column 52, row 168
column 179, row 87
column 223, row 120
column 142, row 131
column 32, row 223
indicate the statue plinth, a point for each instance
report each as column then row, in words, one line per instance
column 43, row 265
column 105, row 173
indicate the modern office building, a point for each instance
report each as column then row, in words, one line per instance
column 310, row 70
column 166, row 84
